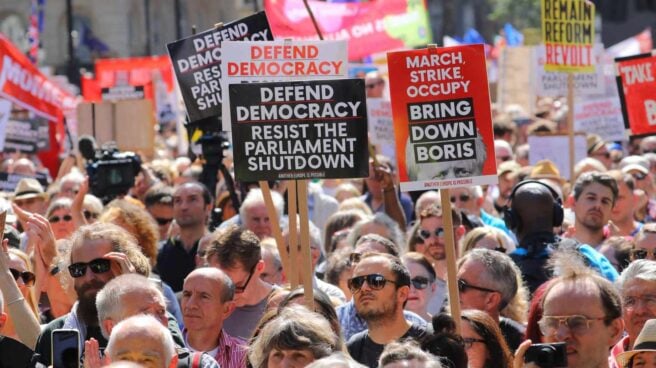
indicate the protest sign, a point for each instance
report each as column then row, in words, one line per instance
column 514, row 86
column 120, row 93
column 553, row 84
column 9, row 182
column 637, row 89
column 299, row 130
column 601, row 116
column 196, row 62
column 381, row 127
column 568, row 34
column 543, row 147
column 442, row 119
column 369, row 26
column 28, row 136
column 278, row 61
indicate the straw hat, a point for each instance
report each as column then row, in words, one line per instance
column 646, row 341
column 594, row 142
column 546, row 169
column 508, row 167
column 28, row 188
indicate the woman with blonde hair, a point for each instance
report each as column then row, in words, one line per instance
column 486, row 237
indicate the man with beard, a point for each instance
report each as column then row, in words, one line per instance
column 99, row 252
column 380, row 286
column 594, row 198
column 192, row 203
column 347, row 313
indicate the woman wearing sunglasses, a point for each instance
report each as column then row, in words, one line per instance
column 484, row 343
column 20, row 268
column 14, row 278
column 422, row 284
column 60, row 218
column 644, row 243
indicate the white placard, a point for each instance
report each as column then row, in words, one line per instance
column 555, row 83
column 601, row 116
column 381, row 126
column 5, row 111
column 279, row 61
column 556, row 149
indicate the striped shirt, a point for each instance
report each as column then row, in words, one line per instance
column 230, row 352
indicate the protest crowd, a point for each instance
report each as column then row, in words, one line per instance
column 451, row 248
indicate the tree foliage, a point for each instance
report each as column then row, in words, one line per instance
column 520, row 13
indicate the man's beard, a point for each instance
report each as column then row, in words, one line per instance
column 86, row 308
column 382, row 314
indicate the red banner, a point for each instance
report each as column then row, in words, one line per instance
column 23, row 84
column 370, row 27
column 637, row 88
column 442, row 118
column 136, row 71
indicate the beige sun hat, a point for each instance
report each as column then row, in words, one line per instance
column 646, row 341
column 29, row 188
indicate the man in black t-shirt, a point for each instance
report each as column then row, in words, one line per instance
column 380, row 287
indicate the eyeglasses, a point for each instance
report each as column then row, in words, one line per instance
column 375, row 281
column 420, row 282
column 241, row 289
column 425, row 234
column 631, row 302
column 56, row 219
column 161, row 221
column 602, row 154
column 464, row 285
column 88, row 215
column 469, row 341
column 576, row 324
column 639, row 176
column 98, row 265
column 462, row 197
column 641, row 253
column 27, row 276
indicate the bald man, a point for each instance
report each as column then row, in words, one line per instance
column 531, row 218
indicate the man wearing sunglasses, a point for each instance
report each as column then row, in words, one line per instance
column 159, row 203
column 380, row 286
column 470, row 199
column 583, row 310
column 237, row 252
column 637, row 286
column 99, row 252
column 487, row 281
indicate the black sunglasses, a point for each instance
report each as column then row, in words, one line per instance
column 89, row 215
column 462, row 197
column 56, row 219
column 98, row 265
column 642, row 253
column 464, row 285
column 374, row 84
column 639, row 176
column 27, row 276
column 241, row 289
column 163, row 221
column 425, row 234
column 375, row 281
column 420, row 282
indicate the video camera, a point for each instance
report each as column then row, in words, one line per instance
column 111, row 172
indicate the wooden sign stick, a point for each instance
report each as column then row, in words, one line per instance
column 449, row 245
column 294, row 274
column 275, row 226
column 570, row 124
column 306, row 257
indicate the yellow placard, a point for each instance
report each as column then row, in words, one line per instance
column 568, row 34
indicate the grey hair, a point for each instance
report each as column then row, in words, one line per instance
column 640, row 269
column 108, row 300
column 395, row 234
column 476, row 191
column 59, row 203
column 255, row 196
column 335, row 360
column 142, row 324
column 405, row 351
column 500, row 269
column 294, row 328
